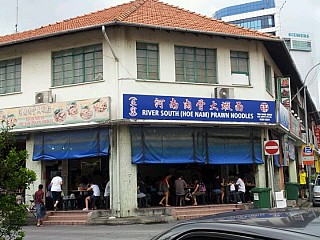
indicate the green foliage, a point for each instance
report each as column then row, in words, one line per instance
column 13, row 176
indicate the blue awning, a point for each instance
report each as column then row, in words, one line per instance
column 154, row 145
column 71, row 144
column 239, row 146
column 163, row 145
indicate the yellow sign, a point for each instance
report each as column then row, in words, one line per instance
column 62, row 113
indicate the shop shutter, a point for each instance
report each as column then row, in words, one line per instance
column 71, row 144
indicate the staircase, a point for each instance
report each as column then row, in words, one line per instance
column 66, row 218
column 184, row 213
column 144, row 215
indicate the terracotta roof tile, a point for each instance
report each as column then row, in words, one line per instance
column 151, row 13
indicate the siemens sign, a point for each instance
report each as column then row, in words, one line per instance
column 299, row 35
column 197, row 109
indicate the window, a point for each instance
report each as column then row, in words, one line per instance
column 196, row 65
column 10, row 76
column 239, row 62
column 268, row 77
column 256, row 23
column 77, row 65
column 147, row 61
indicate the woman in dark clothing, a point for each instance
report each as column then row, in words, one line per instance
column 38, row 200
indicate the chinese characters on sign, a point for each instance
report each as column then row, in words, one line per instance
column 317, row 133
column 197, row 109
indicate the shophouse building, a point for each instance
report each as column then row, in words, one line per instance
column 144, row 89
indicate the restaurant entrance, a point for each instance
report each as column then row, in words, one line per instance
column 152, row 174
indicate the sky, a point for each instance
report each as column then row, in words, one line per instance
column 36, row 13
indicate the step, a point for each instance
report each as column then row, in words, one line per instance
column 65, row 222
column 199, row 214
column 203, row 211
column 66, row 218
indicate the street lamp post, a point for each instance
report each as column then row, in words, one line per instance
column 304, row 87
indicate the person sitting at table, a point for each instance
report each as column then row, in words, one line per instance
column 196, row 192
column 143, row 189
column 180, row 185
column 82, row 187
column 92, row 198
column 232, row 191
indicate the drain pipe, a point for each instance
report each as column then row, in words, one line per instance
column 117, row 116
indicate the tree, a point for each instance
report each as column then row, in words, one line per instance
column 13, row 176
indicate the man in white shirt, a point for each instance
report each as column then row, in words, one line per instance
column 241, row 189
column 56, row 189
column 94, row 197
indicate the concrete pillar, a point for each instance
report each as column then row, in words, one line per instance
column 261, row 175
column 35, row 166
column 293, row 172
column 123, row 174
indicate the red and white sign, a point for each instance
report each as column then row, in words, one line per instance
column 317, row 133
column 271, row 147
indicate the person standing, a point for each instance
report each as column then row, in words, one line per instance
column 39, row 202
column 241, row 190
column 56, row 189
column 164, row 187
column 216, row 188
column 303, row 182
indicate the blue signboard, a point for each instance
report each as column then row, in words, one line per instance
column 154, row 107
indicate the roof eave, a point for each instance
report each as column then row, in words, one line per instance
column 196, row 31
column 119, row 23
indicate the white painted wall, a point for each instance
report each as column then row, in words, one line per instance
column 36, row 67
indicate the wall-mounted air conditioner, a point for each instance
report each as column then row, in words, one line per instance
column 44, row 97
column 223, row 92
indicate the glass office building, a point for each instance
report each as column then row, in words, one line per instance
column 245, row 8
column 275, row 17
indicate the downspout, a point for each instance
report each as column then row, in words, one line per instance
column 117, row 117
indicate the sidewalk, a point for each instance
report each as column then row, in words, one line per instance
column 304, row 203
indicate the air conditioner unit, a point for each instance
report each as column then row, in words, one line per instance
column 223, row 92
column 44, row 97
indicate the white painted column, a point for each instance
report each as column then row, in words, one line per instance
column 261, row 170
column 35, row 166
column 123, row 174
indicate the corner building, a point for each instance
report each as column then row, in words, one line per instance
column 144, row 89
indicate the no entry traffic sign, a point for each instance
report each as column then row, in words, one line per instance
column 271, row 147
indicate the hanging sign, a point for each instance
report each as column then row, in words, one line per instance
column 284, row 95
column 307, row 154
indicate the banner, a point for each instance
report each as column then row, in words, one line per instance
column 156, row 107
column 284, row 95
column 317, row 133
column 61, row 113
